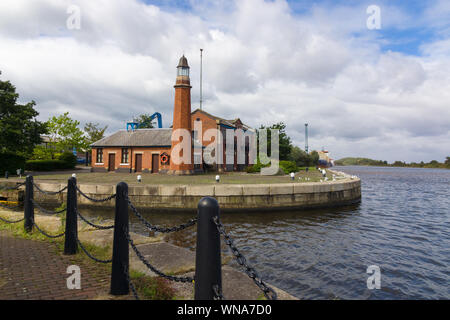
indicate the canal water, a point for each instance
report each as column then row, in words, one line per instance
column 402, row 225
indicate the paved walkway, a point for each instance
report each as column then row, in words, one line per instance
column 31, row 270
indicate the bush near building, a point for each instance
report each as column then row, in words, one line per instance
column 44, row 165
column 67, row 160
column 256, row 167
column 288, row 166
column 11, row 162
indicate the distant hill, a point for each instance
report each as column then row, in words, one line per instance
column 349, row 161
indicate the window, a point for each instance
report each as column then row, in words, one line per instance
column 124, row 155
column 197, row 161
column 195, row 137
column 100, row 155
column 183, row 71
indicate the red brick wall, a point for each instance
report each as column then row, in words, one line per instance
column 207, row 123
column 182, row 120
column 210, row 123
column 146, row 157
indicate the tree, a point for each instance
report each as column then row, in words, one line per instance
column 43, row 153
column 64, row 134
column 313, row 158
column 284, row 140
column 20, row 132
column 303, row 159
column 93, row 132
column 144, row 121
column 299, row 156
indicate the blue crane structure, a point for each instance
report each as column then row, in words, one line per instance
column 135, row 125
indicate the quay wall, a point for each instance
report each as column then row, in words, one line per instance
column 238, row 197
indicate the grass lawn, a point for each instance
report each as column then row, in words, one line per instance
column 148, row 178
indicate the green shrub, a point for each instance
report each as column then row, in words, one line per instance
column 256, row 167
column 11, row 162
column 152, row 288
column 45, row 165
column 69, row 158
column 285, row 166
column 42, row 153
column 288, row 166
column 66, row 160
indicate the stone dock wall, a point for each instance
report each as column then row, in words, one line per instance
column 242, row 197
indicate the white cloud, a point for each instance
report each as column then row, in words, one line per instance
column 262, row 63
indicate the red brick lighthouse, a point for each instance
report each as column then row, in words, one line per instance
column 182, row 120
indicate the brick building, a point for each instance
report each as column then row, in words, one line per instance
column 149, row 150
column 209, row 121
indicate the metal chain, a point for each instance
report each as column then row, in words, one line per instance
column 10, row 208
column 45, row 210
column 92, row 224
column 9, row 221
column 13, row 188
column 91, row 256
column 49, row 192
column 130, row 284
column 93, row 199
column 217, row 292
column 152, row 268
column 156, row 228
column 250, row 271
column 46, row 234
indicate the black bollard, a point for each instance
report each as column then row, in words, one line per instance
column 70, row 242
column 28, row 209
column 6, row 174
column 208, row 268
column 120, row 259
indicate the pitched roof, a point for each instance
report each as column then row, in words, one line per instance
column 231, row 123
column 157, row 137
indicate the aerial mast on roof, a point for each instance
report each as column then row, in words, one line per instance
column 201, row 62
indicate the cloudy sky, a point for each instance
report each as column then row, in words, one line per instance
column 379, row 93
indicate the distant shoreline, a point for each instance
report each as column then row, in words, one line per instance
column 355, row 161
column 381, row 166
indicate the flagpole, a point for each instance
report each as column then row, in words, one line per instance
column 201, row 65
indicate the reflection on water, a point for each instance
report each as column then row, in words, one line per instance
column 401, row 225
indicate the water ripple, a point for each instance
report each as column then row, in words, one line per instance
column 402, row 225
